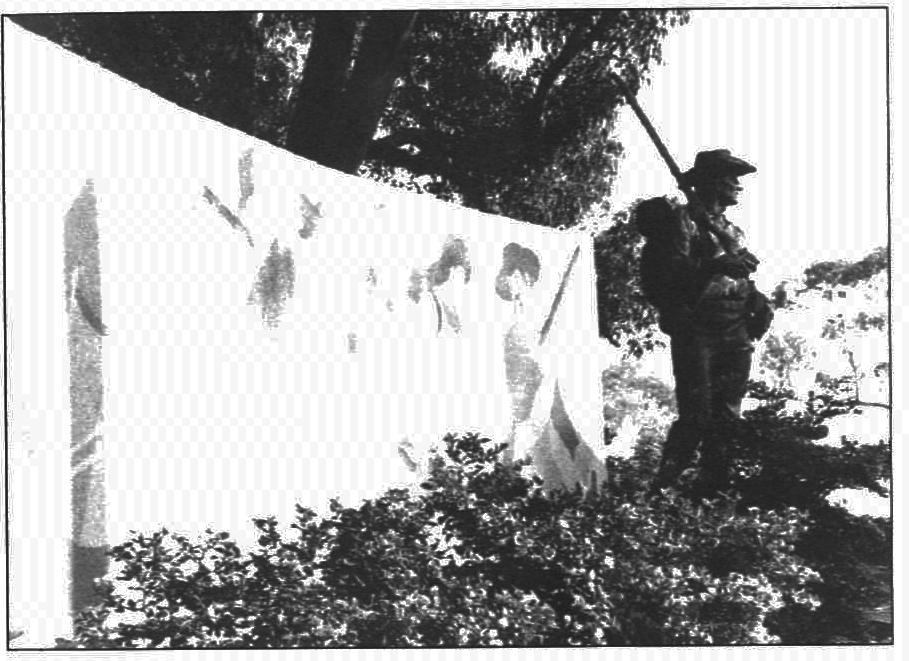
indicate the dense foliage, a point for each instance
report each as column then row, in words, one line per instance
column 828, row 275
column 773, row 463
column 225, row 66
column 624, row 316
column 483, row 555
column 515, row 109
column 509, row 111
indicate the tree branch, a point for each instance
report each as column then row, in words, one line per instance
column 423, row 163
column 421, row 138
column 879, row 405
column 577, row 41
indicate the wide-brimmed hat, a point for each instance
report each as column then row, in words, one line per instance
column 715, row 163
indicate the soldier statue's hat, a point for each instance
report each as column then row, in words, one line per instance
column 715, row 163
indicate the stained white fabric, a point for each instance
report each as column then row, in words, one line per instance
column 381, row 321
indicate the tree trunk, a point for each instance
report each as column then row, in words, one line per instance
column 336, row 115
column 371, row 82
column 323, row 80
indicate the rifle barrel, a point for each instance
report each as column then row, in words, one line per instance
column 654, row 136
column 699, row 216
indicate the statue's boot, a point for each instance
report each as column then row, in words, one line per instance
column 678, row 453
column 716, row 456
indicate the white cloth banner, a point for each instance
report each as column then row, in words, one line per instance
column 219, row 329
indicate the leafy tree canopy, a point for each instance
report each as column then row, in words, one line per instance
column 844, row 273
column 624, row 316
column 509, row 111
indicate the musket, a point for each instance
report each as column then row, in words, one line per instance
column 694, row 201
column 684, row 186
column 654, row 136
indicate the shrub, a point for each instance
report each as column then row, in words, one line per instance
column 777, row 464
column 481, row 556
column 774, row 463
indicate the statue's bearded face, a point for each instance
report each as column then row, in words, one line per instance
column 727, row 190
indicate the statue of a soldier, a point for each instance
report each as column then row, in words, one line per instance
column 695, row 269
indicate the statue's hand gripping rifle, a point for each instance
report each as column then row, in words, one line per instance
column 699, row 212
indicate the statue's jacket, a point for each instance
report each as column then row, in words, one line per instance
column 689, row 298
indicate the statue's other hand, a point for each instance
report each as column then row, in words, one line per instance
column 728, row 265
column 749, row 260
